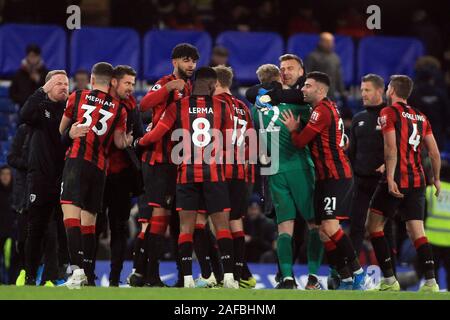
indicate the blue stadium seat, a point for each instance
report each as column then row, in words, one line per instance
column 6, row 105
column 158, row 46
column 354, row 104
column 249, row 50
column 5, row 152
column 3, row 133
column 302, row 44
column 445, row 156
column 5, row 145
column 13, row 118
column 4, row 91
column 4, row 121
column 388, row 55
column 139, row 94
column 90, row 45
column 447, row 146
column 14, row 38
column 12, row 129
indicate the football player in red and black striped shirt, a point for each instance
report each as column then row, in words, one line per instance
column 202, row 121
column 405, row 130
column 239, row 173
column 86, row 163
column 325, row 135
column 158, row 171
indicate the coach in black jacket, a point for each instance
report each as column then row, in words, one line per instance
column 366, row 154
column 43, row 112
column 123, row 174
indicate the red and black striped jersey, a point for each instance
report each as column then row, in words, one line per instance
column 103, row 114
column 157, row 100
column 201, row 123
column 238, row 168
column 410, row 126
column 327, row 151
column 118, row 160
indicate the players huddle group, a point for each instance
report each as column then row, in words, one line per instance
column 102, row 130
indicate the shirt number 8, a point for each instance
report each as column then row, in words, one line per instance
column 203, row 131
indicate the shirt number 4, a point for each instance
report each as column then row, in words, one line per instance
column 414, row 139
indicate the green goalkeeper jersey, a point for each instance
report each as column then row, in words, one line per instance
column 274, row 134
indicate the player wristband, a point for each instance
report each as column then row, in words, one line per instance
column 65, row 137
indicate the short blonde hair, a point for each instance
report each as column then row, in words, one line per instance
column 224, row 76
column 268, row 73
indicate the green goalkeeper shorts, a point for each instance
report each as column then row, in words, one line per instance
column 293, row 193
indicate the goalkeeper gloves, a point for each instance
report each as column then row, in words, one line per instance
column 263, row 100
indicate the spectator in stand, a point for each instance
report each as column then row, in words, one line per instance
column 424, row 28
column 267, row 17
column 219, row 57
column 18, row 160
column 239, row 19
column 81, row 80
column 439, row 237
column 430, row 98
column 434, row 67
column 347, row 116
column 352, row 23
column 184, row 17
column 260, row 232
column 6, row 210
column 325, row 60
column 7, row 223
column 446, row 67
column 141, row 15
column 270, row 256
column 29, row 77
column 303, row 21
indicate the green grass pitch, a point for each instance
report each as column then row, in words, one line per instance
column 89, row 293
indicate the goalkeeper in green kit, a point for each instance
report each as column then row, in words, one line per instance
column 291, row 175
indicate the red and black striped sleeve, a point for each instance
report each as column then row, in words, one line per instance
column 157, row 95
column 319, row 120
column 122, row 123
column 68, row 111
column 164, row 125
column 387, row 119
column 130, row 102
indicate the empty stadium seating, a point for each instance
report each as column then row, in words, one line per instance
column 248, row 50
column 150, row 55
column 15, row 37
column 113, row 45
column 158, row 45
column 388, row 55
